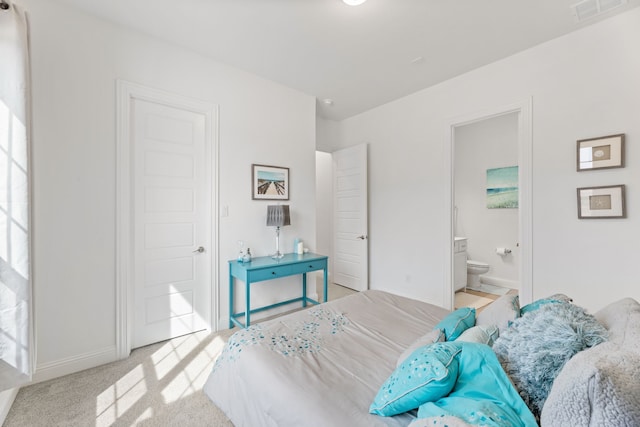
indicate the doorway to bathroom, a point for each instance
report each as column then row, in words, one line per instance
column 488, row 205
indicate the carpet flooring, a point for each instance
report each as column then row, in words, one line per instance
column 158, row 385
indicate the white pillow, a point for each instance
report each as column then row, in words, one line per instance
column 429, row 338
column 484, row 334
column 502, row 312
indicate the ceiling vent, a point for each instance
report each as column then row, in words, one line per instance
column 588, row 9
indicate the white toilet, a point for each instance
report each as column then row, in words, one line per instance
column 474, row 270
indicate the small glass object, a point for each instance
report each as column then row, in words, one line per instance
column 241, row 254
column 247, row 256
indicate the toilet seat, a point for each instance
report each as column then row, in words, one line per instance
column 473, row 263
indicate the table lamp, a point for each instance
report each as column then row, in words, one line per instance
column 278, row 216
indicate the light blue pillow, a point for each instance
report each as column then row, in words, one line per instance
column 428, row 374
column 457, row 322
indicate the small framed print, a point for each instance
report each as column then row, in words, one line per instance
column 601, row 153
column 601, row 202
column 269, row 182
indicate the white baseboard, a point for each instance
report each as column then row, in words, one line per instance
column 497, row 281
column 6, row 400
column 49, row 370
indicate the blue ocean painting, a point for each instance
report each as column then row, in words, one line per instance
column 502, row 188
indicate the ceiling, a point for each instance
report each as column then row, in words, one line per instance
column 358, row 56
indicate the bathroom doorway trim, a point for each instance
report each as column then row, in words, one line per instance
column 525, row 232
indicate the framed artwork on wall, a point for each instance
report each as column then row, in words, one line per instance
column 502, row 188
column 269, row 182
column 601, row 202
column 604, row 152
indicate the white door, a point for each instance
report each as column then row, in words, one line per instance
column 172, row 215
column 351, row 248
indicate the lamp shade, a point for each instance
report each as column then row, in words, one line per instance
column 278, row 215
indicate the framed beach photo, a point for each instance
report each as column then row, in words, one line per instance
column 604, row 152
column 601, row 202
column 502, row 188
column 269, row 182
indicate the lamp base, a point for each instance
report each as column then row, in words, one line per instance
column 278, row 254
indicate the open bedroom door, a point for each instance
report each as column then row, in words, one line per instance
column 350, row 201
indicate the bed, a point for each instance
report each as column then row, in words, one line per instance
column 322, row 366
column 417, row 365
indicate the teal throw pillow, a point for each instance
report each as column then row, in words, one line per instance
column 483, row 394
column 428, row 374
column 536, row 305
column 457, row 322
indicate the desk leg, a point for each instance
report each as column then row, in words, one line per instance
column 304, row 289
column 230, row 299
column 247, row 304
column 326, row 295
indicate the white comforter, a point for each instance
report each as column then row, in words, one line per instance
column 321, row 366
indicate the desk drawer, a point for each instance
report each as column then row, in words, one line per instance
column 305, row 267
column 269, row 273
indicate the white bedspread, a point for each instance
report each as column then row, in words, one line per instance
column 321, row 366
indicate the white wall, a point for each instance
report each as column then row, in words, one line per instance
column 324, row 206
column 76, row 61
column 327, row 135
column 487, row 144
column 583, row 85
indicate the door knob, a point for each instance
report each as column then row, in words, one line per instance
column 199, row 250
column 362, row 237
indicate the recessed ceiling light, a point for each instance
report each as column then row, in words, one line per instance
column 327, row 101
column 354, row 2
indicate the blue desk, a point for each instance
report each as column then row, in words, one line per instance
column 267, row 268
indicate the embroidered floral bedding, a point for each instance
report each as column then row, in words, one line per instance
column 322, row 366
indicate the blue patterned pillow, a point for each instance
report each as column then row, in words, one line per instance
column 457, row 322
column 428, row 374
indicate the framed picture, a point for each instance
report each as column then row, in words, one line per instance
column 601, row 202
column 601, row 153
column 502, row 188
column 269, row 182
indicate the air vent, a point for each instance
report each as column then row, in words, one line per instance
column 588, row 9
